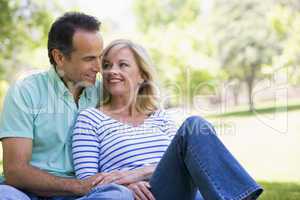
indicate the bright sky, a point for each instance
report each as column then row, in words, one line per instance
column 118, row 12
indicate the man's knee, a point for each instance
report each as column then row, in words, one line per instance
column 124, row 192
column 10, row 193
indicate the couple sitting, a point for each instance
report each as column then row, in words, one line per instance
column 123, row 148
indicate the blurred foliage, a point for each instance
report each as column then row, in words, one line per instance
column 24, row 27
column 3, row 89
column 152, row 13
column 179, row 48
column 245, row 40
column 227, row 40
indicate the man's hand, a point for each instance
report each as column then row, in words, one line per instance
column 21, row 174
column 87, row 184
column 141, row 191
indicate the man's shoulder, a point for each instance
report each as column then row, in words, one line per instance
column 31, row 79
column 29, row 87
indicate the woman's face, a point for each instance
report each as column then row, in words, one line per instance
column 120, row 72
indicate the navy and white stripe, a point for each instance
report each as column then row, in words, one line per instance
column 103, row 144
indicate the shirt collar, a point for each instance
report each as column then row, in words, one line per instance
column 62, row 90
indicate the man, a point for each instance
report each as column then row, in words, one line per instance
column 39, row 112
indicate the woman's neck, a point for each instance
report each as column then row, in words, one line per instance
column 123, row 105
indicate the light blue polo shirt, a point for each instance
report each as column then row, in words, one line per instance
column 41, row 108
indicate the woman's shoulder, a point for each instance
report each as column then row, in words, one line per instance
column 161, row 114
column 92, row 114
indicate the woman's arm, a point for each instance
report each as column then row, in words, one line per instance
column 85, row 147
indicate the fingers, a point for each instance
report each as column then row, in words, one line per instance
column 107, row 180
column 110, row 178
column 98, row 179
column 127, row 178
column 141, row 191
column 145, row 189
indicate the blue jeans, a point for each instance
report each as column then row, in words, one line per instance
column 197, row 160
column 105, row 192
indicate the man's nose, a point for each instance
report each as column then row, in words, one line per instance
column 96, row 65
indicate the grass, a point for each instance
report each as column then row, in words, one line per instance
column 280, row 191
column 268, row 147
column 274, row 190
column 264, row 110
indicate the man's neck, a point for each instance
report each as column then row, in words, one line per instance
column 75, row 91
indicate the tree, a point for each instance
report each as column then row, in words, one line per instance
column 24, row 26
column 286, row 24
column 159, row 14
column 172, row 31
column 244, row 39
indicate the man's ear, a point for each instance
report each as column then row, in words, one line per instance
column 58, row 57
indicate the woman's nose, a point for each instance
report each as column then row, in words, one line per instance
column 114, row 69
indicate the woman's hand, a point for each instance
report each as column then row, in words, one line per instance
column 125, row 177
column 141, row 190
column 118, row 177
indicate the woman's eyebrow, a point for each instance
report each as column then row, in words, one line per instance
column 123, row 60
column 105, row 60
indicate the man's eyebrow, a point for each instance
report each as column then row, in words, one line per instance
column 89, row 56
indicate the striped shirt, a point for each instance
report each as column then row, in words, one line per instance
column 103, row 144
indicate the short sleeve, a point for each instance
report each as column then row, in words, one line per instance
column 85, row 146
column 17, row 115
column 170, row 127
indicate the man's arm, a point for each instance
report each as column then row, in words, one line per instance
column 21, row 174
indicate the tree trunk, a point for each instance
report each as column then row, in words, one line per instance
column 236, row 93
column 250, row 96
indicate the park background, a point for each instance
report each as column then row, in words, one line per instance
column 234, row 62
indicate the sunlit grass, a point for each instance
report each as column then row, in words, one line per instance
column 259, row 110
column 266, row 154
column 280, row 191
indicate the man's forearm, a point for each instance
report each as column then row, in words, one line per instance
column 42, row 183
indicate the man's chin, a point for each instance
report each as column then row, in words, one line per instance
column 90, row 83
column 87, row 83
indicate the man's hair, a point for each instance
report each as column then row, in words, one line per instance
column 62, row 31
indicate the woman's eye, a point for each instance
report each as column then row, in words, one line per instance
column 105, row 66
column 124, row 65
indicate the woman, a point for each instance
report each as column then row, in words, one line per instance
column 131, row 142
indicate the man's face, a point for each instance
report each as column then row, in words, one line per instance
column 83, row 64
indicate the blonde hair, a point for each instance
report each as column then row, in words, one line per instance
column 146, row 101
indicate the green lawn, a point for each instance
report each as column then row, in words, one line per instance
column 267, row 144
column 280, row 191
column 258, row 110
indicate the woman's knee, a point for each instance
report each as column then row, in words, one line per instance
column 198, row 125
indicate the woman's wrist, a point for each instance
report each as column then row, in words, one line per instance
column 147, row 172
